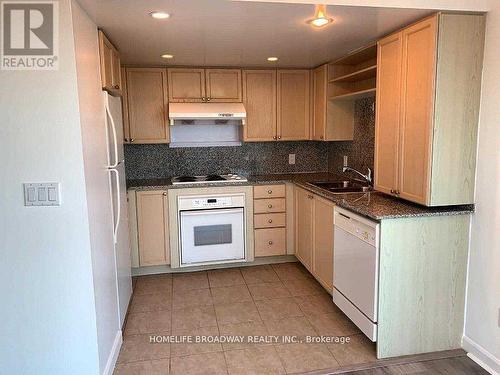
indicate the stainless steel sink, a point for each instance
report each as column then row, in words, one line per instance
column 342, row 187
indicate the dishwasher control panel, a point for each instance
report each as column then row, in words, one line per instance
column 364, row 229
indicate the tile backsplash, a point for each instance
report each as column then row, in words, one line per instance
column 159, row 161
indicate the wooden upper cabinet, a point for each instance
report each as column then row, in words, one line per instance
column 388, row 112
column 323, row 242
column 259, row 97
column 147, row 105
column 304, row 208
column 293, row 105
column 223, row 85
column 319, row 101
column 428, row 109
column 110, row 66
column 186, row 85
column 419, row 73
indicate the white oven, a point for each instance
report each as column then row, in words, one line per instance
column 211, row 229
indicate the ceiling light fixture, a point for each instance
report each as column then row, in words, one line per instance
column 167, row 56
column 159, row 15
column 320, row 18
column 272, row 59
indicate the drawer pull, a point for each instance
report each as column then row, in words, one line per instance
column 270, row 221
column 269, row 206
column 269, row 192
column 270, row 242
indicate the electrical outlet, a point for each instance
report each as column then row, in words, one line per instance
column 345, row 161
column 291, row 159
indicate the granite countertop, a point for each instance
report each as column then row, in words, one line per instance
column 374, row 205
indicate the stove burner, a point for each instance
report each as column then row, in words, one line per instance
column 214, row 177
column 186, row 179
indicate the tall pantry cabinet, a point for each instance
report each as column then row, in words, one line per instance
column 428, row 92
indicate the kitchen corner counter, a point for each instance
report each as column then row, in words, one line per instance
column 374, row 205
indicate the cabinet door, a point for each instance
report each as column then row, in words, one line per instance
column 304, row 204
column 116, row 72
column 419, row 71
column 106, row 58
column 323, row 242
column 319, row 82
column 388, row 112
column 223, row 85
column 147, row 105
column 293, row 105
column 126, row 125
column 152, row 228
column 259, row 97
column 186, row 85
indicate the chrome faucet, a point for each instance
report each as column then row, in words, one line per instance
column 367, row 177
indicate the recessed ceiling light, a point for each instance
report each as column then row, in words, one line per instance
column 272, row 59
column 159, row 15
column 167, row 56
column 320, row 18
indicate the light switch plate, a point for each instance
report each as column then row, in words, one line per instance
column 291, row 159
column 42, row 194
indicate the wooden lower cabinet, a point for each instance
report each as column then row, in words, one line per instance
column 314, row 235
column 304, row 206
column 323, row 242
column 270, row 241
column 152, row 228
column 270, row 220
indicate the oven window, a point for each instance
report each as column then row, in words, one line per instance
column 213, row 235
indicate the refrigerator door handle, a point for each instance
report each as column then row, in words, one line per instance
column 118, row 201
column 115, row 141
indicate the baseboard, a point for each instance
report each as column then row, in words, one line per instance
column 113, row 356
column 481, row 356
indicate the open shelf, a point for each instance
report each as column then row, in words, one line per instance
column 358, row 75
column 355, row 95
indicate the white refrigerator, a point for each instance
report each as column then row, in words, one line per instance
column 118, row 197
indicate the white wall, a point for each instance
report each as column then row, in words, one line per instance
column 482, row 331
column 46, row 287
column 95, row 158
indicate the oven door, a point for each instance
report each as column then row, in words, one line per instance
column 212, row 236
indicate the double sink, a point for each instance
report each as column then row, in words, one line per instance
column 342, row 187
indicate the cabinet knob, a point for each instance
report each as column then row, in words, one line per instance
column 310, row 196
column 269, row 206
column 132, row 140
column 397, row 192
column 275, row 137
column 321, row 137
column 125, row 139
column 279, row 137
column 208, row 99
column 204, row 99
column 270, row 221
column 164, row 194
column 117, row 87
column 269, row 192
column 270, row 242
column 392, row 191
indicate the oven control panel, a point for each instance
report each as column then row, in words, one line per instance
column 210, row 201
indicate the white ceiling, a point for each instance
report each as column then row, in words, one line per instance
column 232, row 33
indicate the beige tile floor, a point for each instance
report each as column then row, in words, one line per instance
column 279, row 300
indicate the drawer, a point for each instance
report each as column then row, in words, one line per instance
column 269, row 220
column 269, row 191
column 263, row 206
column 270, row 242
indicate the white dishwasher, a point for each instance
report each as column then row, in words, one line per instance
column 355, row 269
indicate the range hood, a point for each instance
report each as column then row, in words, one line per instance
column 207, row 113
column 206, row 124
